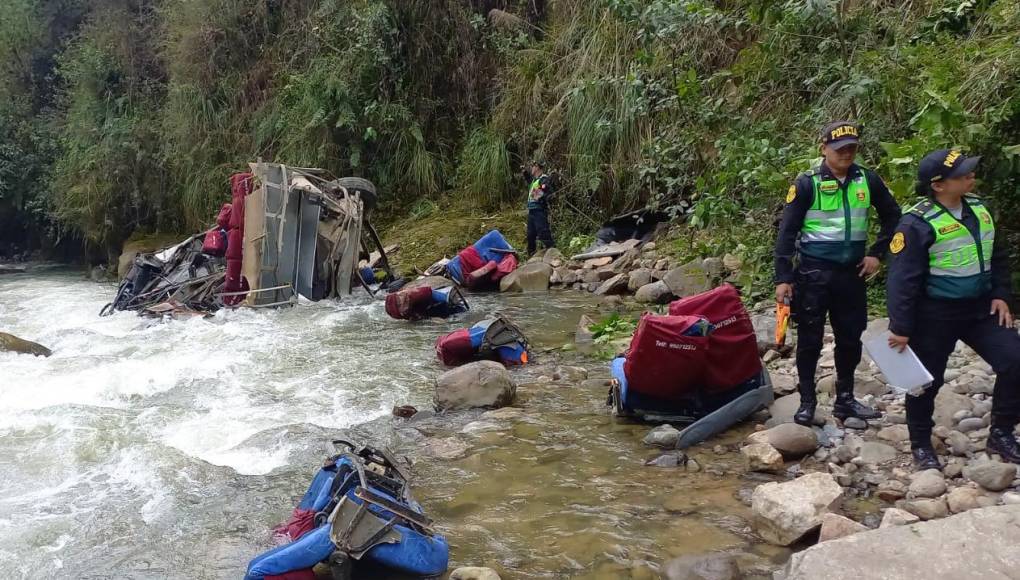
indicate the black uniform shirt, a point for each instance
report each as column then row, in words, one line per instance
column 796, row 210
column 908, row 274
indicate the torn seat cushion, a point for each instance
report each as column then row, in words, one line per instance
column 455, row 348
column 663, row 361
column 409, row 304
column 733, row 353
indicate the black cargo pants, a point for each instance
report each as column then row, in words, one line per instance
column 538, row 229
column 935, row 339
column 841, row 295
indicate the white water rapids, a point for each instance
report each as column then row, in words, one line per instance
column 143, row 449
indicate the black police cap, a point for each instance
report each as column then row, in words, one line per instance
column 945, row 164
column 839, row 134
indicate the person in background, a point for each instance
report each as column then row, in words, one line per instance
column 827, row 208
column 539, row 192
column 949, row 280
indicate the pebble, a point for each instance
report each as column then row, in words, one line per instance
column 474, row 573
column 970, row 424
column 665, row 436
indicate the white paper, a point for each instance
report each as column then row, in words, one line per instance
column 903, row 370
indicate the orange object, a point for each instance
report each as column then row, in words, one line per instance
column 782, row 321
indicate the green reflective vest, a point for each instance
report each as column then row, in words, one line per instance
column 959, row 262
column 836, row 226
column 535, row 203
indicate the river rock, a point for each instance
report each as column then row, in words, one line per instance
column 584, row 334
column 897, row 517
column 947, row 404
column 977, row 544
column 474, row 573
column 971, row 424
column 654, row 293
column 836, row 526
column 762, row 457
column 855, row 423
column 991, row 475
column 665, row 436
column 928, row 483
column 963, row 499
column 926, row 509
column 613, row 286
column 11, row 343
column 638, row 278
column 959, row 444
column 733, row 263
column 447, row 448
column 691, row 278
column 784, row 512
column 783, row 409
column 702, row 567
column 553, row 257
column 570, row 374
column 532, row 277
column 894, row 434
column 792, row 440
column 478, row 384
column 873, row 453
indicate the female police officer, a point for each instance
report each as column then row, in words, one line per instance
column 949, row 281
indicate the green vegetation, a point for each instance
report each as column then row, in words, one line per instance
column 124, row 115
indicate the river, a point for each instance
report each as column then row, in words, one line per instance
column 143, row 449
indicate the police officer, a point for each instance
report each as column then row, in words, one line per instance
column 539, row 192
column 949, row 280
column 827, row 208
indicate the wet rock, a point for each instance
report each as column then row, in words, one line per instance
column 478, row 384
column 891, row 490
column 991, row 475
column 667, row 460
column 926, row 509
column 595, row 384
column 11, row 343
column 898, row 517
column 762, row 457
column 654, row 293
column 691, row 278
column 404, row 411
column 665, row 436
column 613, row 286
column 474, row 573
column 532, row 277
column 584, row 334
column 570, row 374
column 504, row 414
column 976, row 544
column 785, row 512
column 475, row 427
column 929, row 483
column 448, row 448
column 792, row 440
column 702, row 567
column 873, row 453
column 638, row 278
column 836, row 526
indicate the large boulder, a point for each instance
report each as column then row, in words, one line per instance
column 785, row 512
column 979, row 543
column 144, row 245
column 702, row 567
column 835, row 526
column 532, row 277
column 615, row 285
column 792, row 440
column 654, row 293
column 479, row 384
column 691, row 278
column 11, row 343
column 638, row 278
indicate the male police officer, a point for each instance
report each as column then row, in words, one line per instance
column 949, row 280
column 538, row 206
column 828, row 208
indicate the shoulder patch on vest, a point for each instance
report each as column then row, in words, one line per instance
column 899, row 241
column 791, row 194
column 922, row 208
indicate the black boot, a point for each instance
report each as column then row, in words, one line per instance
column 805, row 414
column 847, row 406
column 1002, row 441
column 926, row 458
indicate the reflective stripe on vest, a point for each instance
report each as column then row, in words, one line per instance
column 959, row 264
column 837, row 215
